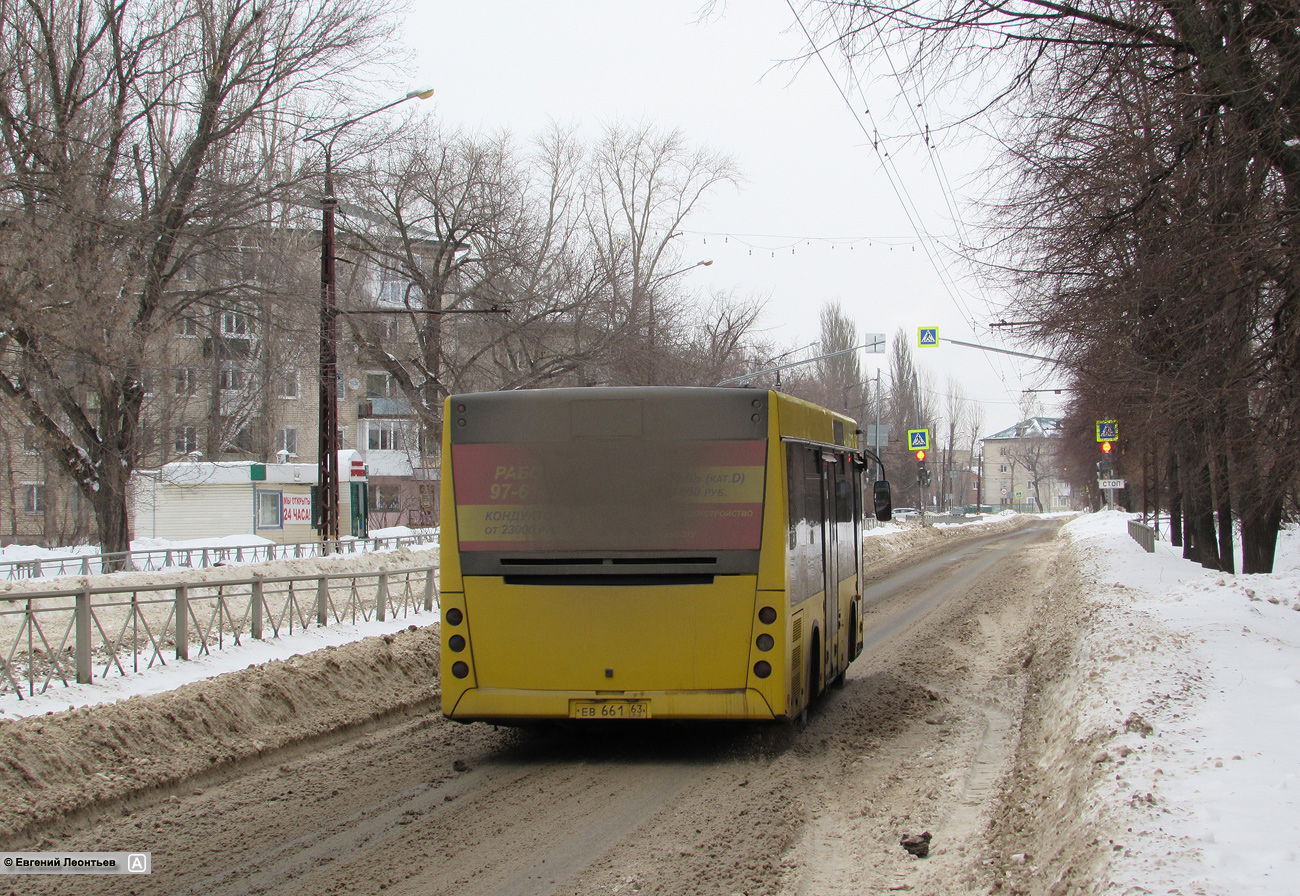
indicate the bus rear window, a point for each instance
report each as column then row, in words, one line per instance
column 610, row 495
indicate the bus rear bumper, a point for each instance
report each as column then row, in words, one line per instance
column 514, row 706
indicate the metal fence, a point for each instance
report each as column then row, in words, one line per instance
column 80, row 635
column 199, row 557
column 1143, row 534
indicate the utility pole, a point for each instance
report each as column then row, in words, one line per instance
column 876, row 447
column 327, row 486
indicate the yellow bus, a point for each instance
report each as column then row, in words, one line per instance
column 647, row 552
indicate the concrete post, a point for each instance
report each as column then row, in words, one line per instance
column 84, row 671
column 257, row 609
column 182, row 622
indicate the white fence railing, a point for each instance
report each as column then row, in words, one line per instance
column 152, row 559
column 83, row 634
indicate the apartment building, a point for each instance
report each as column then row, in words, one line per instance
column 1020, row 468
column 235, row 379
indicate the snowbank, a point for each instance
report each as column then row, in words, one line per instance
column 1186, row 692
column 51, row 766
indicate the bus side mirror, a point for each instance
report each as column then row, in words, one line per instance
column 883, row 499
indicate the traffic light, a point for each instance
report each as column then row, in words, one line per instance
column 922, row 474
column 1106, row 466
column 925, row 478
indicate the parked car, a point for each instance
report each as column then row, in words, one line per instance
column 906, row 513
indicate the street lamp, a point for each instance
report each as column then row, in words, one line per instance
column 654, row 364
column 327, row 492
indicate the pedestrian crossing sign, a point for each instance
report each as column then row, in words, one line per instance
column 1107, row 430
column 918, row 440
column 927, row 337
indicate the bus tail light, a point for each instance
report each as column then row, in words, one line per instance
column 767, row 615
column 764, row 642
column 762, row 668
column 459, row 669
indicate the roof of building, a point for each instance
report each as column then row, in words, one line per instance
column 1034, row 427
column 195, row 471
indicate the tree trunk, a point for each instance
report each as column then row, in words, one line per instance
column 1261, row 502
column 1202, row 516
column 114, row 526
column 1175, row 502
column 1223, row 506
column 1187, row 492
column 1259, row 528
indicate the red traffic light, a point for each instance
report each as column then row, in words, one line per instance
column 1105, row 447
column 920, row 456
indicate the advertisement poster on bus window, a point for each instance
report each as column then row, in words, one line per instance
column 603, row 496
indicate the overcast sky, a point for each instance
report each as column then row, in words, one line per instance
column 817, row 217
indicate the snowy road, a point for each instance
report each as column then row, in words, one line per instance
column 926, row 726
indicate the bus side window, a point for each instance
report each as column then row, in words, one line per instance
column 793, row 474
column 804, row 502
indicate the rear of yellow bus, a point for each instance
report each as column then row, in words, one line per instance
column 601, row 554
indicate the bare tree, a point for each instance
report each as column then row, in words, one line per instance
column 644, row 183
column 956, row 416
column 841, row 375
column 908, row 406
column 132, row 141
column 1151, row 134
column 431, row 214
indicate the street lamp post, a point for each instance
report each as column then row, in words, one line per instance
column 654, row 362
column 327, row 492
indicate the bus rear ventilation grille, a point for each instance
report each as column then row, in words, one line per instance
column 609, row 561
column 621, row 579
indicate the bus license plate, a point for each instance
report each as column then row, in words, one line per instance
column 609, row 709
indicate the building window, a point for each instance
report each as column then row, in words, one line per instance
column 393, row 289
column 1002, row 468
column 287, row 383
column 287, row 440
column 235, row 324
column 385, row 498
column 33, row 498
column 187, row 439
column 269, row 510
column 187, row 381
column 380, row 385
column 187, row 326
column 243, row 438
column 384, row 435
column 232, row 376
column 30, row 443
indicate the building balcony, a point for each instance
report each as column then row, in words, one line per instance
column 383, row 407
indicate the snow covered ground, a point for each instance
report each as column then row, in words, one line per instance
column 1189, row 682
column 1200, row 674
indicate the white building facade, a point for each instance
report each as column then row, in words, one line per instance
column 1020, row 468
